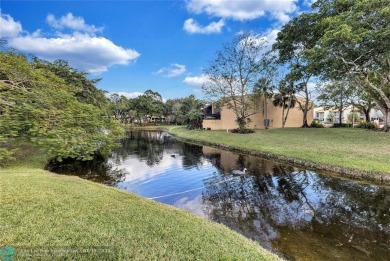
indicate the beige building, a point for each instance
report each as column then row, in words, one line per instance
column 225, row 118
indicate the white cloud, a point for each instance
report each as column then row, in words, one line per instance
column 196, row 81
column 128, row 95
column 243, row 10
column 9, row 27
column 83, row 50
column 191, row 26
column 90, row 53
column 72, row 22
column 270, row 36
column 173, row 71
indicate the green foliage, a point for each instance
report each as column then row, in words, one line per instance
column 148, row 104
column 336, row 96
column 242, row 131
column 367, row 125
column 45, row 108
column 342, row 125
column 316, row 124
column 285, row 98
column 190, row 112
column 354, row 117
column 172, row 110
column 355, row 43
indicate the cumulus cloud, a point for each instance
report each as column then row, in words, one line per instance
column 9, row 27
column 243, row 10
column 90, row 53
column 191, row 26
column 128, row 95
column 71, row 22
column 81, row 48
column 173, row 71
column 196, row 81
column 270, row 36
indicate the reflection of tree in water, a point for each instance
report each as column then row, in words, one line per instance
column 97, row 169
column 277, row 196
column 150, row 146
column 147, row 145
column 192, row 154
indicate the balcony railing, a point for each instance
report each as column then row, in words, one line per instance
column 212, row 116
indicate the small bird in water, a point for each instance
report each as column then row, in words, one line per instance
column 173, row 156
column 239, row 172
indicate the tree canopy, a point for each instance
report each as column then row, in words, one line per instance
column 355, row 43
column 53, row 106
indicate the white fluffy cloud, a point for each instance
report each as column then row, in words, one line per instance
column 72, row 22
column 81, row 48
column 173, row 71
column 196, row 81
column 191, row 26
column 128, row 95
column 270, row 36
column 9, row 27
column 243, row 10
column 90, row 53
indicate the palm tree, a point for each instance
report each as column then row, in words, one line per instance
column 192, row 112
column 285, row 99
column 264, row 88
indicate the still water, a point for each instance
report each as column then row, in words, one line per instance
column 296, row 213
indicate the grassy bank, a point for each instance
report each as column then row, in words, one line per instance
column 342, row 150
column 47, row 215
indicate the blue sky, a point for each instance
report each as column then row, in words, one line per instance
column 138, row 45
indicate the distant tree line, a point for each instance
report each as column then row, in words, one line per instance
column 150, row 107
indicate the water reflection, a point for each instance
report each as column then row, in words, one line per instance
column 297, row 213
column 98, row 170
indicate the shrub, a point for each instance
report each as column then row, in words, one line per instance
column 342, row 125
column 316, row 124
column 242, row 131
column 367, row 125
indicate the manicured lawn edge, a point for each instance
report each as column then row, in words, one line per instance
column 43, row 210
column 372, row 176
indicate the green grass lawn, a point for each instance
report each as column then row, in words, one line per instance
column 82, row 220
column 358, row 149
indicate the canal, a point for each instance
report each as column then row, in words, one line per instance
column 296, row 213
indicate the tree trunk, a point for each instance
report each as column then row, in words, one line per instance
column 367, row 114
column 305, row 125
column 340, row 114
column 387, row 121
column 265, row 110
column 306, row 107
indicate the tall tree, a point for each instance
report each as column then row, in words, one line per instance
column 296, row 37
column 149, row 104
column 265, row 85
column 192, row 112
column 356, row 43
column 119, row 106
column 337, row 96
column 365, row 103
column 285, row 98
column 233, row 74
column 87, row 90
column 172, row 109
column 38, row 105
